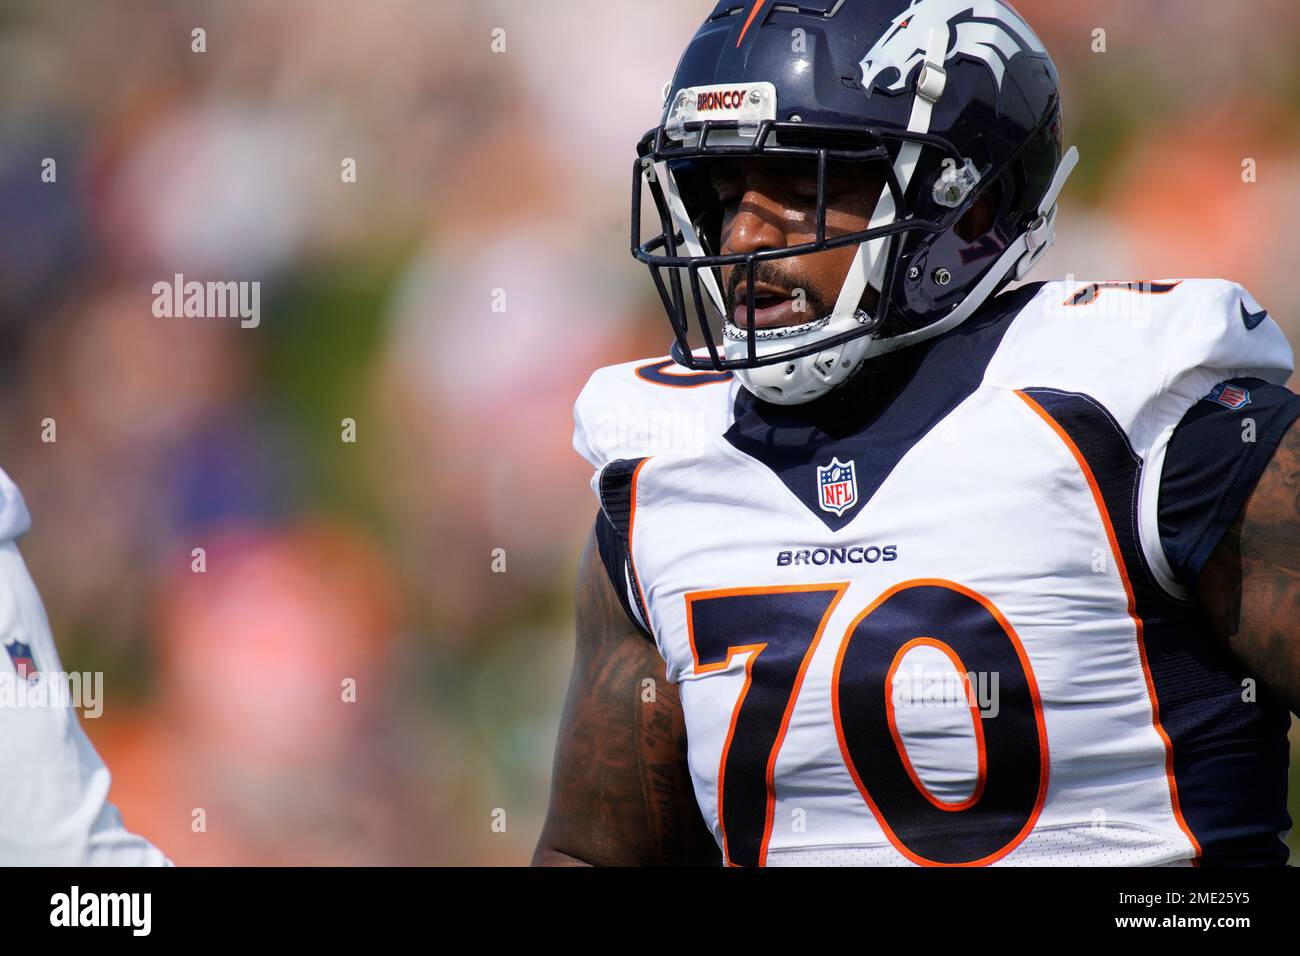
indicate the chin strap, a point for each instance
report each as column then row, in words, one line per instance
column 1022, row 255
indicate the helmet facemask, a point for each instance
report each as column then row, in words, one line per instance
column 949, row 105
column 798, row 361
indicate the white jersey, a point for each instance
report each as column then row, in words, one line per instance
column 54, row 808
column 951, row 636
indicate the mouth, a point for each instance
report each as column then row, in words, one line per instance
column 773, row 308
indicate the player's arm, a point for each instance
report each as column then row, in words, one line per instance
column 621, row 792
column 1251, row 584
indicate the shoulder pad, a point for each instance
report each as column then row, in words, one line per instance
column 15, row 520
column 1139, row 346
column 1147, row 352
column 644, row 408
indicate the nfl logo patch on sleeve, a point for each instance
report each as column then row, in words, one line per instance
column 837, row 486
column 21, row 655
column 1229, row 396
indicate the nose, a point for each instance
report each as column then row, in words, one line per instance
column 759, row 223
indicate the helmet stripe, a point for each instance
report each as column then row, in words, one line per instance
column 758, row 5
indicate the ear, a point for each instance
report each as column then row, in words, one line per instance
column 978, row 219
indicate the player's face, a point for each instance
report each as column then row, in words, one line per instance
column 772, row 204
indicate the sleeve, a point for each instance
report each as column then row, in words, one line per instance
column 1211, row 333
column 592, row 404
column 1215, row 458
column 625, row 414
column 616, row 488
column 613, row 554
column 641, row 408
column 54, row 808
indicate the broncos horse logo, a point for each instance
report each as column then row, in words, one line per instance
column 987, row 30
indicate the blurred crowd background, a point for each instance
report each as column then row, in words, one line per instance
column 477, row 169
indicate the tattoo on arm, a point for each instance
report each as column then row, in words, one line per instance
column 1251, row 585
column 621, row 792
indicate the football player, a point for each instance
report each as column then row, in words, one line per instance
column 906, row 566
column 54, row 807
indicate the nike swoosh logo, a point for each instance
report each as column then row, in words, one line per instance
column 1252, row 319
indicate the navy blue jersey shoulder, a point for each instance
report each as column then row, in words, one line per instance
column 613, row 534
column 613, row 555
column 1214, row 460
column 938, row 376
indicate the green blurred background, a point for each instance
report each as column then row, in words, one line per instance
column 477, row 170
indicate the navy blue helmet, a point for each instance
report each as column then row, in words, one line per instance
column 942, row 101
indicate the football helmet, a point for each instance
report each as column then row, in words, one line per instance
column 943, row 101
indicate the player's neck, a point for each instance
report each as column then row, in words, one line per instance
column 861, row 399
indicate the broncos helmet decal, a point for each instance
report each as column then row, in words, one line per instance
column 982, row 29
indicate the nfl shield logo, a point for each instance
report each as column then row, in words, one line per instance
column 837, row 487
column 21, row 655
column 1230, row 396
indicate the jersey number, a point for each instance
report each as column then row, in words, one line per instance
column 780, row 628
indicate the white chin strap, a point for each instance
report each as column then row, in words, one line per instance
column 811, row 376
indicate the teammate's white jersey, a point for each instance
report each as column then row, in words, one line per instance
column 54, row 808
column 818, row 595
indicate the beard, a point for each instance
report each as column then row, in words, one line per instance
column 865, row 393
column 769, row 273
